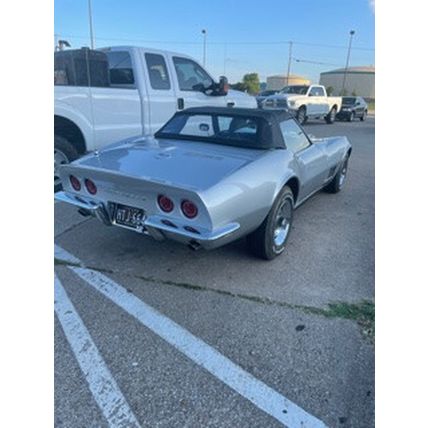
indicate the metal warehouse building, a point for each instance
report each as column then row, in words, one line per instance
column 278, row 81
column 359, row 80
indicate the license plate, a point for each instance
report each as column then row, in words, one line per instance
column 129, row 216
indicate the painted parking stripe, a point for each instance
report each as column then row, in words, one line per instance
column 260, row 394
column 103, row 387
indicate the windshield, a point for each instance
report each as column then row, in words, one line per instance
column 240, row 131
column 295, row 89
column 267, row 93
column 348, row 100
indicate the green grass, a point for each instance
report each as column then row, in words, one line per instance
column 371, row 106
column 363, row 313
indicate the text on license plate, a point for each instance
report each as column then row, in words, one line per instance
column 129, row 216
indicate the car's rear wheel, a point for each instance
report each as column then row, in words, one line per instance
column 351, row 117
column 363, row 117
column 339, row 179
column 269, row 240
column 64, row 153
column 301, row 115
column 331, row 117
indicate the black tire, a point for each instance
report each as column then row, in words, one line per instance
column 331, row 117
column 301, row 115
column 338, row 181
column 262, row 241
column 351, row 117
column 64, row 152
column 363, row 117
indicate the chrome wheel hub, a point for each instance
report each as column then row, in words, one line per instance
column 342, row 176
column 282, row 223
column 59, row 159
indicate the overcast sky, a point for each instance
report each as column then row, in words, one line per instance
column 242, row 36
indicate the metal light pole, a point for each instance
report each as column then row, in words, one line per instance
column 204, row 32
column 290, row 49
column 91, row 31
column 351, row 35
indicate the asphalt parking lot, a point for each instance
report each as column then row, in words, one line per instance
column 152, row 334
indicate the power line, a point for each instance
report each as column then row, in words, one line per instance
column 175, row 42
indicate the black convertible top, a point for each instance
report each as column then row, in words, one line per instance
column 268, row 136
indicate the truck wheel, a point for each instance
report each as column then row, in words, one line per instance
column 269, row 240
column 351, row 117
column 363, row 117
column 64, row 152
column 301, row 115
column 331, row 117
column 339, row 179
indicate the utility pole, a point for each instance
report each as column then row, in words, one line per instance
column 290, row 50
column 351, row 35
column 204, row 32
column 224, row 59
column 91, row 31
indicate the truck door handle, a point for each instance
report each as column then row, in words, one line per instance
column 180, row 103
column 231, row 103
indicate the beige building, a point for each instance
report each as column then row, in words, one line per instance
column 359, row 80
column 278, row 81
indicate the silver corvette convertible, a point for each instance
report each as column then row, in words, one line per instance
column 209, row 176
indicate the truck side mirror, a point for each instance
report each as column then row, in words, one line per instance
column 223, row 86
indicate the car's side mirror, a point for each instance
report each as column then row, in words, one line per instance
column 223, row 86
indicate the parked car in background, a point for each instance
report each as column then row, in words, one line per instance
column 208, row 177
column 305, row 102
column 263, row 95
column 353, row 107
column 105, row 95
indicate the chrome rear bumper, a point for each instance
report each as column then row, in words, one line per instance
column 153, row 226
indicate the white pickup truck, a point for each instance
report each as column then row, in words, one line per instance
column 105, row 95
column 306, row 101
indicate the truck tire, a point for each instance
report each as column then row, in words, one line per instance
column 363, row 117
column 301, row 115
column 64, row 152
column 339, row 179
column 269, row 240
column 331, row 117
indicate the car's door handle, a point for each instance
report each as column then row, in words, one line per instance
column 180, row 103
column 231, row 103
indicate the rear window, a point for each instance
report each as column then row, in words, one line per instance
column 219, row 129
column 120, row 68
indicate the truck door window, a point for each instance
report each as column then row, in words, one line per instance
column 191, row 75
column 158, row 73
column 295, row 139
column 120, row 69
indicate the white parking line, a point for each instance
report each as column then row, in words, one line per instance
column 104, row 389
column 261, row 395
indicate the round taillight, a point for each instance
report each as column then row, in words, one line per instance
column 90, row 186
column 190, row 210
column 165, row 203
column 75, row 183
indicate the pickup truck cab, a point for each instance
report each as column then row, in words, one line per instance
column 105, row 95
column 305, row 101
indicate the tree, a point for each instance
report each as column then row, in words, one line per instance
column 354, row 93
column 343, row 93
column 250, row 83
column 329, row 90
